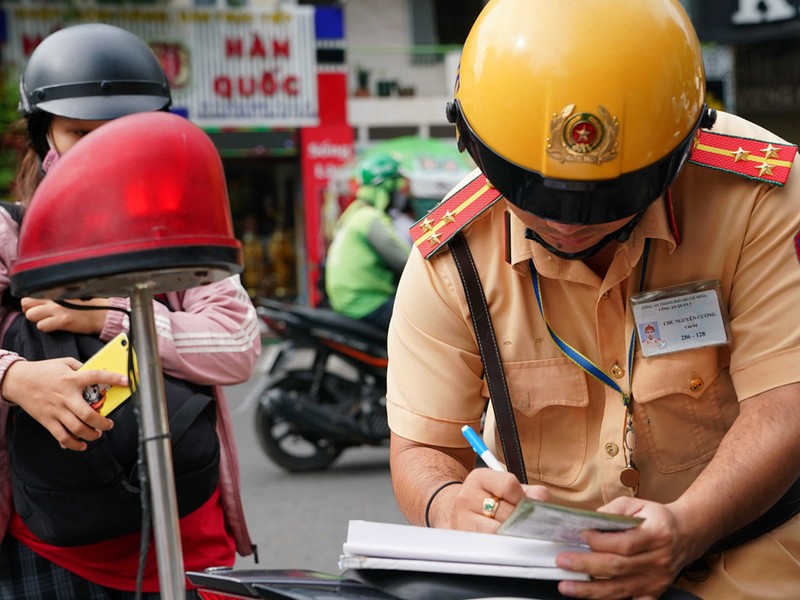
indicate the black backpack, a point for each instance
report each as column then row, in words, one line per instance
column 69, row 498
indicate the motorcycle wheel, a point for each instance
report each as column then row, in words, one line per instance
column 289, row 446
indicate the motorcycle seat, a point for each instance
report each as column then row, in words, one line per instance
column 335, row 321
column 416, row 585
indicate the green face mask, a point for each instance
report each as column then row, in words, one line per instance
column 376, row 195
column 380, row 196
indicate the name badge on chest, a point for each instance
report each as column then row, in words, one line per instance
column 682, row 317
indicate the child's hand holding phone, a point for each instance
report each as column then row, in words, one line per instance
column 113, row 357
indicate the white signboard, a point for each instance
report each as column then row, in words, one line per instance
column 227, row 67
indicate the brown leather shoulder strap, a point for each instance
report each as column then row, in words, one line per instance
column 490, row 354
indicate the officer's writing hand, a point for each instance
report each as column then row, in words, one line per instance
column 480, row 484
column 51, row 392
column 51, row 316
column 640, row 563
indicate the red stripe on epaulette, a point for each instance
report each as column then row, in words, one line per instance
column 755, row 159
column 797, row 245
column 431, row 233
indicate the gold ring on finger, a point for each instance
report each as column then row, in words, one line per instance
column 489, row 506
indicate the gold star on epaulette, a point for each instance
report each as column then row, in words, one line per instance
column 759, row 160
column 461, row 207
column 770, row 152
column 740, row 154
column 764, row 169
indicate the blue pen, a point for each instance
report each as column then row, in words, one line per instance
column 480, row 448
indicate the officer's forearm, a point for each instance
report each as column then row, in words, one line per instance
column 418, row 471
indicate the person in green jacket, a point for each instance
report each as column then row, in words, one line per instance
column 366, row 256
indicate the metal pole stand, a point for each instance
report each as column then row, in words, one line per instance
column 158, row 451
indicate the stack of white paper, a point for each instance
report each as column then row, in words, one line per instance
column 391, row 546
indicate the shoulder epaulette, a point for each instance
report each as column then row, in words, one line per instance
column 432, row 232
column 755, row 159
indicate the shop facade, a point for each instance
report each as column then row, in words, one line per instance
column 765, row 39
column 272, row 85
column 268, row 85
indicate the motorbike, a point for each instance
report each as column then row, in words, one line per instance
column 323, row 389
column 365, row 584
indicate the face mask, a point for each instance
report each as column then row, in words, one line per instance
column 50, row 159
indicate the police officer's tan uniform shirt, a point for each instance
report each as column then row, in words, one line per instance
column 570, row 424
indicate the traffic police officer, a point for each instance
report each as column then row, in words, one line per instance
column 608, row 197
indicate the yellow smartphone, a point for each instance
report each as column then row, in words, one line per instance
column 111, row 357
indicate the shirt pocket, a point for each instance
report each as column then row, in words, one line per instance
column 684, row 403
column 550, row 399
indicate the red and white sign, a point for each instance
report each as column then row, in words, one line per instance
column 246, row 67
column 322, row 150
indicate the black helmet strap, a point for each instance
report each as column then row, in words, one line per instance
column 97, row 88
column 620, row 235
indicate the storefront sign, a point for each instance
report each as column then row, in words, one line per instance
column 755, row 12
column 322, row 150
column 740, row 21
column 242, row 67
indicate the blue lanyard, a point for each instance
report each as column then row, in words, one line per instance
column 573, row 354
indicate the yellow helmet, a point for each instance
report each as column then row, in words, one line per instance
column 580, row 111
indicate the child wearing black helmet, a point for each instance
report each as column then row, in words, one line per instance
column 76, row 80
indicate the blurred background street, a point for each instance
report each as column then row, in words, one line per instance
column 294, row 92
column 299, row 520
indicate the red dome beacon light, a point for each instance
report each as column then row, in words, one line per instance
column 143, row 197
column 138, row 207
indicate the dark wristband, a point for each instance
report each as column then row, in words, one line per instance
column 430, row 500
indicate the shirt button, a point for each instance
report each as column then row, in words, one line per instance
column 617, row 371
column 612, row 449
column 695, row 384
column 606, row 294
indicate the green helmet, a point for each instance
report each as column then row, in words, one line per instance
column 379, row 168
